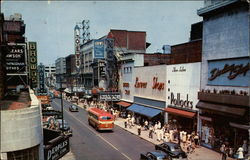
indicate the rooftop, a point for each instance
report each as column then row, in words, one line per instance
column 16, row 101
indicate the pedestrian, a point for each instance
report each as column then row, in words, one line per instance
column 146, row 125
column 133, row 121
column 125, row 123
column 196, row 139
column 223, row 150
column 151, row 130
column 139, row 129
column 240, row 153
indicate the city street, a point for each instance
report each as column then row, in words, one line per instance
column 87, row 143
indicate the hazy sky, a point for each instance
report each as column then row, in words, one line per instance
column 51, row 23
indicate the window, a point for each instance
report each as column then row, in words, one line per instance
column 105, row 118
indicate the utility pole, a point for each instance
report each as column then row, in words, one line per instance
column 61, row 101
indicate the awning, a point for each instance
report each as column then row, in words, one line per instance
column 180, row 112
column 124, row 104
column 221, row 108
column 240, row 126
column 146, row 111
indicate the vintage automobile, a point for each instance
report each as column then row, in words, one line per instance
column 66, row 129
column 173, row 150
column 73, row 108
column 155, row 155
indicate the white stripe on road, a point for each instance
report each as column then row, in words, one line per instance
column 98, row 135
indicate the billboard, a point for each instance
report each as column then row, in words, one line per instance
column 16, row 59
column 98, row 48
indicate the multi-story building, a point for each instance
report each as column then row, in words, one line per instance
column 60, row 71
column 21, row 127
column 70, row 75
column 224, row 94
column 50, row 76
column 2, row 58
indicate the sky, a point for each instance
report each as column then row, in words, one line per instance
column 51, row 23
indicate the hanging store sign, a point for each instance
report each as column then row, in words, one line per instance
column 16, row 59
column 33, row 64
column 231, row 72
column 41, row 87
column 99, row 49
column 110, row 96
column 77, row 47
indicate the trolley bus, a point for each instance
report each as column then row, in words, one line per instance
column 100, row 119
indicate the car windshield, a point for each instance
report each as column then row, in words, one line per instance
column 73, row 107
column 175, row 148
column 105, row 118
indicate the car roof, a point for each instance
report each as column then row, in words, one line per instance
column 171, row 144
column 158, row 153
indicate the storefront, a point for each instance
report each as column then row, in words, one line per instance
column 149, row 93
column 183, row 81
column 223, row 123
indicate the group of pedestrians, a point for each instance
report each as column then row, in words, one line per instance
column 165, row 133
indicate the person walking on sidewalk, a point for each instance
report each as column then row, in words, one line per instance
column 139, row 129
column 151, row 130
column 126, row 123
column 146, row 125
column 223, row 150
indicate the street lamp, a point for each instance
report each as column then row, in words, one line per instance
column 61, row 101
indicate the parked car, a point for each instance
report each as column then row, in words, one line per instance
column 73, row 108
column 66, row 129
column 173, row 150
column 155, row 155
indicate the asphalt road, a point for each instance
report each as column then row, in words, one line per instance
column 89, row 144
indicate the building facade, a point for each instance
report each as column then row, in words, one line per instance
column 50, row 76
column 224, row 96
column 60, row 64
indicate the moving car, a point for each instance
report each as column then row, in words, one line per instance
column 66, row 129
column 173, row 150
column 73, row 108
column 155, row 155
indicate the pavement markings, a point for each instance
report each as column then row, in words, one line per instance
column 98, row 135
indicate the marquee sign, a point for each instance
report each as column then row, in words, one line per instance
column 16, row 59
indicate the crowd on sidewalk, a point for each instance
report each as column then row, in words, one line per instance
column 165, row 133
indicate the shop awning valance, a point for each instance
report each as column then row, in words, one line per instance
column 124, row 104
column 240, row 126
column 143, row 110
column 180, row 112
column 221, row 108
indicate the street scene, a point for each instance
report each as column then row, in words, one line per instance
column 125, row 80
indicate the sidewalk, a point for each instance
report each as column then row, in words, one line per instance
column 200, row 153
column 68, row 156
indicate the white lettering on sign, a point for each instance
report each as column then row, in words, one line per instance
column 53, row 153
column 16, row 50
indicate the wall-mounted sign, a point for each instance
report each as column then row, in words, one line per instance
column 180, row 102
column 98, row 48
column 57, row 149
column 12, row 26
column 16, row 59
column 232, row 72
column 139, row 84
column 110, row 96
column 157, row 85
column 77, row 46
column 180, row 69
